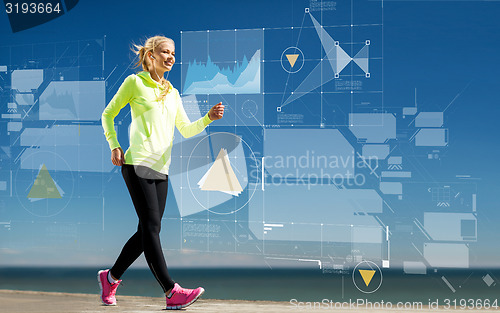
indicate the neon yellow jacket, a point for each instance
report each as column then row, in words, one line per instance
column 151, row 132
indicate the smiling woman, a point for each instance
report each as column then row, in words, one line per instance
column 156, row 108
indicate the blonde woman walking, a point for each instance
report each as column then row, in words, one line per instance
column 156, row 107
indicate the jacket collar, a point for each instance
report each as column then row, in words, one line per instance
column 145, row 75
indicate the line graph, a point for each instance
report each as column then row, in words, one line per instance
column 210, row 78
column 222, row 62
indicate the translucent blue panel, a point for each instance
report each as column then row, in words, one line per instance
column 448, row 226
column 73, row 100
column 374, row 128
column 285, row 206
column 396, row 174
column 448, row 255
column 375, row 151
column 429, row 119
column 414, row 268
column 432, row 137
column 66, row 148
column 410, row 111
column 14, row 126
column 391, row 188
column 395, row 160
column 25, row 99
column 26, row 80
column 303, row 152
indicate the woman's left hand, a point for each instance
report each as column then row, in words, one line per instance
column 216, row 112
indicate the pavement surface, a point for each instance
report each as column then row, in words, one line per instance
column 13, row 301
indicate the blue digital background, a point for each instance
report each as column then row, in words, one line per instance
column 441, row 55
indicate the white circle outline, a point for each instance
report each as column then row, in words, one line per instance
column 381, row 277
column 281, row 59
column 189, row 184
column 256, row 108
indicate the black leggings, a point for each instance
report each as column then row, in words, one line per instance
column 149, row 197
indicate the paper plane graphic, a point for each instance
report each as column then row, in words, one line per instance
column 292, row 58
column 221, row 177
column 367, row 276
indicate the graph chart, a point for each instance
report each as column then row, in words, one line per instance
column 230, row 64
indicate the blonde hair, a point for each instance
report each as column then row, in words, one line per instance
column 141, row 51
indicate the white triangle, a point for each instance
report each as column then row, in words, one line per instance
column 362, row 63
column 361, row 58
column 221, row 177
column 342, row 59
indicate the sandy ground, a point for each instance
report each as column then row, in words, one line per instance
column 38, row 302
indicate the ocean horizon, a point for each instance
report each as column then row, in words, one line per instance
column 266, row 284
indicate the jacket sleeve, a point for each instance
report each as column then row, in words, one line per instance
column 184, row 125
column 120, row 99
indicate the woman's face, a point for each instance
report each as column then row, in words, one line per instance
column 164, row 56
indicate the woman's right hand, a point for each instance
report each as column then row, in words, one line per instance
column 117, row 156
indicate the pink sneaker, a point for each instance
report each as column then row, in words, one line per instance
column 107, row 290
column 182, row 297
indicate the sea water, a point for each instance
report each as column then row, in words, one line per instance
column 303, row 285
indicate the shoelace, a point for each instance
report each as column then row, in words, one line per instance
column 184, row 291
column 113, row 288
